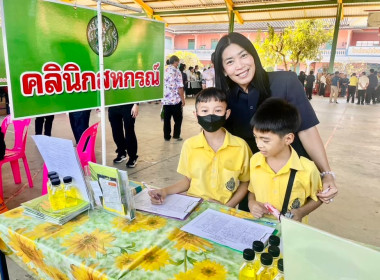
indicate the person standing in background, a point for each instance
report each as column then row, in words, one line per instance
column 302, row 78
column 124, row 116
column 182, row 68
column 371, row 88
column 79, row 122
column 310, row 79
column 352, row 88
column 343, row 84
column 46, row 121
column 174, row 99
column 362, row 87
column 208, row 76
column 322, row 84
column 335, row 88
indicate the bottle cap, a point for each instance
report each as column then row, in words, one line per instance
column 266, row 259
column 258, row 246
column 280, row 265
column 248, row 254
column 55, row 182
column 274, row 240
column 51, row 173
column 274, row 251
column 54, row 177
column 67, row 179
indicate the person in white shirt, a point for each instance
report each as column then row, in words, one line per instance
column 322, row 81
column 208, row 76
column 362, row 87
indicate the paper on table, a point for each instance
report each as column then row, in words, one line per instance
column 175, row 205
column 60, row 156
column 227, row 230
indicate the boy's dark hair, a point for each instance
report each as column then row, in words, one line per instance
column 208, row 94
column 277, row 116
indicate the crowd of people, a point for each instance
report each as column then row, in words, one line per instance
column 365, row 87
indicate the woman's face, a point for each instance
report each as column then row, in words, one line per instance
column 238, row 65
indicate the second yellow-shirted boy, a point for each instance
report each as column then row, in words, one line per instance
column 275, row 124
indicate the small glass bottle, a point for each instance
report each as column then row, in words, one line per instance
column 247, row 271
column 71, row 192
column 274, row 251
column 274, row 240
column 280, row 267
column 56, row 195
column 258, row 247
column 265, row 271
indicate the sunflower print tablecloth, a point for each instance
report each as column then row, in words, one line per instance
column 99, row 245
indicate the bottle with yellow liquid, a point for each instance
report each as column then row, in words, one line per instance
column 258, row 247
column 275, row 253
column 71, row 192
column 280, row 268
column 247, row 271
column 274, row 240
column 265, row 272
column 56, row 195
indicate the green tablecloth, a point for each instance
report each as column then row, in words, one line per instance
column 99, row 245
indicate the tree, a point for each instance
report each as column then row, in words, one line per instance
column 297, row 44
column 188, row 58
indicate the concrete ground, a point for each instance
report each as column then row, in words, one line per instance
column 350, row 132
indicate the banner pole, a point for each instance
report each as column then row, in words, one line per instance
column 101, row 72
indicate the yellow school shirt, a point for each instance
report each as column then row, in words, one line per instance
column 214, row 175
column 354, row 81
column 270, row 187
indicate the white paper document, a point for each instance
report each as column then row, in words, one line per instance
column 174, row 206
column 227, row 230
column 61, row 156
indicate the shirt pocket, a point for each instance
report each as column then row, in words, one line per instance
column 297, row 200
column 230, row 180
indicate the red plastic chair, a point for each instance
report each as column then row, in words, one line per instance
column 17, row 152
column 85, row 150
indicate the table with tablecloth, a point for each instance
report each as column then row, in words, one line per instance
column 99, row 245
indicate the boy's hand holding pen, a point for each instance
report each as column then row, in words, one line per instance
column 157, row 196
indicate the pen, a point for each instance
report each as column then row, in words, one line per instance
column 156, row 196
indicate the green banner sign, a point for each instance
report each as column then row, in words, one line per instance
column 3, row 75
column 53, row 57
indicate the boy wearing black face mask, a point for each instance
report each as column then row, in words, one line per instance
column 215, row 164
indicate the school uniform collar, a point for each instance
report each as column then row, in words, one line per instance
column 294, row 162
column 201, row 142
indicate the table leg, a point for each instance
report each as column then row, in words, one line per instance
column 3, row 267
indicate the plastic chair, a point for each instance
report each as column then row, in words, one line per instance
column 17, row 152
column 85, row 150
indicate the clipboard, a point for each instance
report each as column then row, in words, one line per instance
column 175, row 206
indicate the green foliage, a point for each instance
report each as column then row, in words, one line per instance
column 295, row 44
column 189, row 58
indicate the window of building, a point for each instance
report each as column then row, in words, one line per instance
column 190, row 44
column 202, row 47
column 214, row 42
column 168, row 42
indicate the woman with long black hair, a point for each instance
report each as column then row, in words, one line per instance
column 238, row 71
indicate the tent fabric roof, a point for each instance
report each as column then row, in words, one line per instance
column 185, row 16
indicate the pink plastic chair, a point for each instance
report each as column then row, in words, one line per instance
column 85, row 150
column 17, row 152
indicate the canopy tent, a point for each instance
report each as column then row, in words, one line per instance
column 184, row 16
